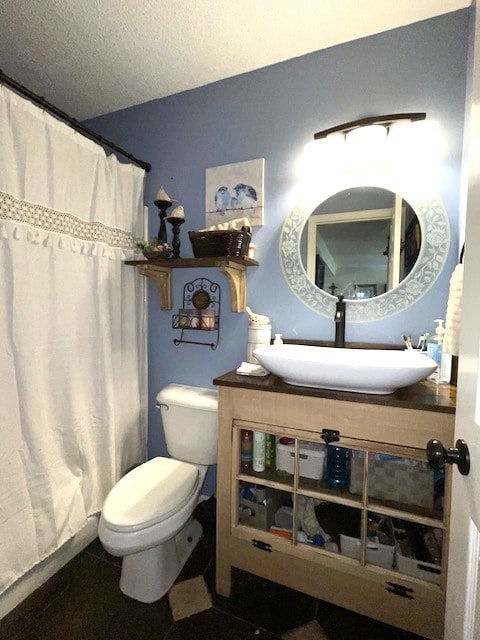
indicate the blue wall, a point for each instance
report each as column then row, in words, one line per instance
column 272, row 113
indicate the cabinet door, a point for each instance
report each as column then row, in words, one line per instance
column 353, row 500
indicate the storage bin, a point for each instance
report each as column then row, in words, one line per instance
column 381, row 555
column 423, row 570
column 392, row 478
column 312, row 459
column 206, row 244
column 261, row 516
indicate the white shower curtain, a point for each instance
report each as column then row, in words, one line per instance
column 72, row 343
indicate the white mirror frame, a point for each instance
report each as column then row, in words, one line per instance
column 435, row 228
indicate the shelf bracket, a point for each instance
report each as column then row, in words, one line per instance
column 161, row 278
column 237, row 279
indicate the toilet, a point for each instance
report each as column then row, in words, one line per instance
column 147, row 516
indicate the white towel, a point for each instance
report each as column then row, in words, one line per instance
column 232, row 224
column 451, row 339
column 247, row 369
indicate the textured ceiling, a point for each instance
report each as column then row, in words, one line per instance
column 91, row 57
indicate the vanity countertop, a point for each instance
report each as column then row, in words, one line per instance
column 424, row 395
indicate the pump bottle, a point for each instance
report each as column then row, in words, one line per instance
column 435, row 350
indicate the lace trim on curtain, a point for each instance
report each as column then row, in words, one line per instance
column 52, row 221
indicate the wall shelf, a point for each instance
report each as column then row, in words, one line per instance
column 159, row 271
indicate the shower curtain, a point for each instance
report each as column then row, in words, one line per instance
column 72, row 331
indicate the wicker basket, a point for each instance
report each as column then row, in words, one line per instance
column 212, row 244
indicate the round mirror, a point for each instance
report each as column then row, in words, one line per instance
column 379, row 245
column 360, row 242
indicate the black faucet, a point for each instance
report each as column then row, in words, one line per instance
column 340, row 322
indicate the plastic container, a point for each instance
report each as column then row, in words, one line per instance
column 381, row 555
column 284, row 518
column 422, row 570
column 337, row 474
column 312, row 459
column 258, row 335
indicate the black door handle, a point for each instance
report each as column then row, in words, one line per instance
column 438, row 456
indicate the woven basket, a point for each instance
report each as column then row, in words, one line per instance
column 212, row 244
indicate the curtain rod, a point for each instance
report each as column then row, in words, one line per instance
column 40, row 101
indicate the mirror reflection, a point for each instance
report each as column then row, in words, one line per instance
column 361, row 242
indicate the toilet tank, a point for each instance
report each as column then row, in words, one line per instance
column 190, row 422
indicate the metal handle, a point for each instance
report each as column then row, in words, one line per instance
column 438, row 456
column 330, row 435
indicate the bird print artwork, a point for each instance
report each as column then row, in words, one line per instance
column 234, row 191
column 222, row 199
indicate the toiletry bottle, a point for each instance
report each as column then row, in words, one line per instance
column 258, row 451
column 278, row 339
column 338, row 467
column 246, row 448
column 270, row 451
column 435, row 348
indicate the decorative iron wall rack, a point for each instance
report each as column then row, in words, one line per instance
column 200, row 312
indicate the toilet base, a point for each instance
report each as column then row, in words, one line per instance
column 148, row 575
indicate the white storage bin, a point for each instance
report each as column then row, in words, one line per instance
column 381, row 555
column 422, row 570
column 312, row 459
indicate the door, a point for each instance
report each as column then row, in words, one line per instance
column 463, row 589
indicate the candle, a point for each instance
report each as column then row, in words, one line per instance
column 178, row 212
column 162, row 195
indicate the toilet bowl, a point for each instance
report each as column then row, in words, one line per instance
column 143, row 530
column 147, row 516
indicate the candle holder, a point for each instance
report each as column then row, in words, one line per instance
column 176, row 224
column 162, row 205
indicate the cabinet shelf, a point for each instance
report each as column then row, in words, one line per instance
column 159, row 271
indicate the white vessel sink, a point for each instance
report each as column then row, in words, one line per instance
column 376, row 371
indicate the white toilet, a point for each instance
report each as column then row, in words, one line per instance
column 146, row 517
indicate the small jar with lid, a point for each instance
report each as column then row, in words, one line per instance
column 207, row 319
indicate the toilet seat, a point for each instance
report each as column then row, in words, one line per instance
column 149, row 494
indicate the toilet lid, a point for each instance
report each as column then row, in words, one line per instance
column 149, row 494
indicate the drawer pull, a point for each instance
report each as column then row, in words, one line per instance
column 399, row 590
column 259, row 544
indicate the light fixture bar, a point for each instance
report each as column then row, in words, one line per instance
column 385, row 120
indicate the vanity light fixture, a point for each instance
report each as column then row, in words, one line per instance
column 384, row 121
column 407, row 141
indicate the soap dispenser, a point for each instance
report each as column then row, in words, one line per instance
column 435, row 350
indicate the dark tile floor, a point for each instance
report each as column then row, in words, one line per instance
column 84, row 602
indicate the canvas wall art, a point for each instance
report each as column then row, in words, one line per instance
column 235, row 191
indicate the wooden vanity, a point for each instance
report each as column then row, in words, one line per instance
column 390, row 487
